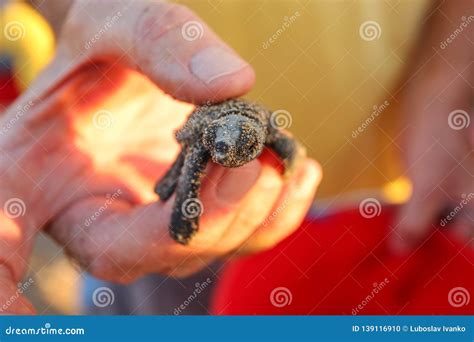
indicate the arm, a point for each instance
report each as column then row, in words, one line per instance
column 436, row 89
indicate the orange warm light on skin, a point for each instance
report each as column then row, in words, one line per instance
column 10, row 230
column 109, row 128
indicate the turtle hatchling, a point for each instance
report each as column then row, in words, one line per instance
column 231, row 133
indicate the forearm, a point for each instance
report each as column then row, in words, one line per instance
column 439, row 72
column 445, row 45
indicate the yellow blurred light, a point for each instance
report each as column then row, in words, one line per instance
column 27, row 38
column 397, row 191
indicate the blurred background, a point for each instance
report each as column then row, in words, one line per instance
column 333, row 65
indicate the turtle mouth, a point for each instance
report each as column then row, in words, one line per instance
column 221, row 158
column 227, row 159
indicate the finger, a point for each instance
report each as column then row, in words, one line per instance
column 289, row 211
column 249, row 214
column 123, row 242
column 420, row 214
column 165, row 41
column 12, row 300
column 415, row 219
column 254, row 207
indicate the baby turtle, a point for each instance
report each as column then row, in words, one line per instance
column 230, row 133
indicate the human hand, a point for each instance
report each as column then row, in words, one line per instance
column 437, row 102
column 93, row 134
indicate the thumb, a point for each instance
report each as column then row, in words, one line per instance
column 167, row 42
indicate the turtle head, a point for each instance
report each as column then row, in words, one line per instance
column 234, row 140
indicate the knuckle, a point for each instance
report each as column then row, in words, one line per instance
column 102, row 266
column 159, row 18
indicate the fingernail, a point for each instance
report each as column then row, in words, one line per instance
column 235, row 183
column 214, row 62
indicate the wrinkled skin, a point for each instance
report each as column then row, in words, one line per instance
column 94, row 131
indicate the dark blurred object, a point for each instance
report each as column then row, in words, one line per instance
column 8, row 89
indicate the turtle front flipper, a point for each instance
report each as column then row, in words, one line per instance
column 286, row 147
column 167, row 184
column 187, row 207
